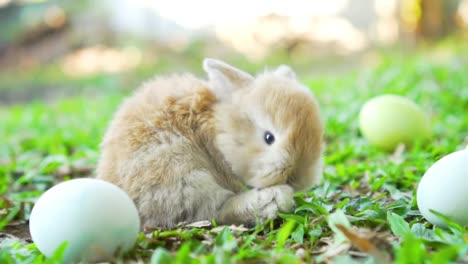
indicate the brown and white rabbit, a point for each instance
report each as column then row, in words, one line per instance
column 184, row 149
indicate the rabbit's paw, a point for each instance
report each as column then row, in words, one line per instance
column 274, row 200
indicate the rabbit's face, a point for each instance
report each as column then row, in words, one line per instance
column 270, row 131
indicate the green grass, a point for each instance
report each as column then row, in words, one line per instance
column 365, row 191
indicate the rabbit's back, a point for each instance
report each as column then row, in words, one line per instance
column 164, row 130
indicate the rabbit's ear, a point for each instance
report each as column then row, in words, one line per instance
column 224, row 78
column 286, row 71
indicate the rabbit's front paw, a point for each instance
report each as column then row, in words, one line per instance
column 275, row 199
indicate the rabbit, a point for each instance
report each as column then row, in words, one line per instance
column 233, row 148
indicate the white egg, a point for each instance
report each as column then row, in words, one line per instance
column 444, row 188
column 95, row 217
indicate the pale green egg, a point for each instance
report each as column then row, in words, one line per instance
column 96, row 218
column 388, row 120
column 443, row 188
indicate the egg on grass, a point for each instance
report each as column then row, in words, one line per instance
column 444, row 189
column 95, row 218
column 388, row 120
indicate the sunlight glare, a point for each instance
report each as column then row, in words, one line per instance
column 4, row 3
column 463, row 11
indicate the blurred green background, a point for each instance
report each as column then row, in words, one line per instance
column 51, row 49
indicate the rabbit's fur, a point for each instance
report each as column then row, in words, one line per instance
column 185, row 149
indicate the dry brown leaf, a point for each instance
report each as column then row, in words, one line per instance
column 7, row 201
column 4, row 236
column 333, row 252
column 199, row 224
column 151, row 229
column 326, row 243
column 19, row 229
column 397, row 156
column 77, row 170
column 364, row 244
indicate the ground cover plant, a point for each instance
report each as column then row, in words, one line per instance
column 364, row 210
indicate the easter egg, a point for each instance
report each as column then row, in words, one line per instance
column 444, row 188
column 388, row 120
column 95, row 218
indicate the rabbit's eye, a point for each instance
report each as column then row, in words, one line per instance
column 269, row 138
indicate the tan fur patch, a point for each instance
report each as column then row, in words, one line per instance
column 183, row 154
column 162, row 113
